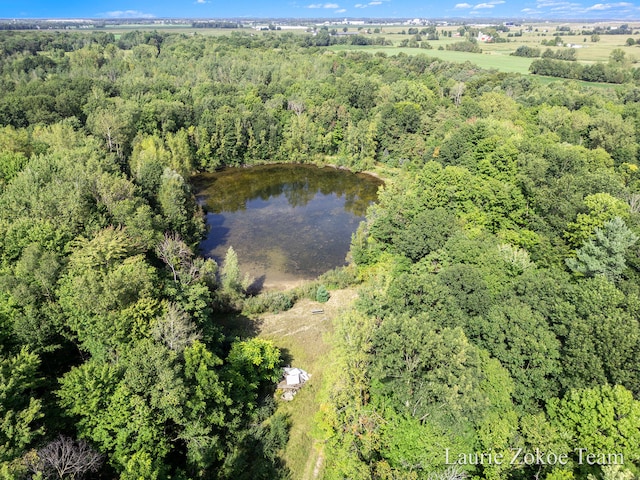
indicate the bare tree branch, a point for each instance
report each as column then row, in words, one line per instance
column 65, row 457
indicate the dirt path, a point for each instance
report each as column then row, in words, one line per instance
column 301, row 332
column 303, row 337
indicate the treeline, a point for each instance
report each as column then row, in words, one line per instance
column 568, row 54
column 623, row 29
column 216, row 24
column 192, row 97
column 596, row 72
column 12, row 43
column 464, row 46
column 325, row 37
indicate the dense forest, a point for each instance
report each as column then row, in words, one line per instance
column 498, row 274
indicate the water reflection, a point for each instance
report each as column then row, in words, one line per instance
column 286, row 222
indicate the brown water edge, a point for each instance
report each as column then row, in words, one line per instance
column 271, row 275
column 271, row 280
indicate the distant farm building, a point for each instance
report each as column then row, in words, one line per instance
column 484, row 38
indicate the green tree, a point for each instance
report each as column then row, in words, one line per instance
column 31, row 289
column 206, row 417
column 322, row 295
column 525, row 345
column 173, row 399
column 115, row 124
column 20, row 411
column 409, row 361
column 180, row 212
column 108, row 293
column 599, row 419
column 601, row 338
column 252, row 364
column 604, row 253
column 602, row 207
column 617, row 56
column 230, row 275
column 10, row 164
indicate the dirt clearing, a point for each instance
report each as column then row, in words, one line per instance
column 302, row 333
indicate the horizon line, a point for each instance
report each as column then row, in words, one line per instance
column 311, row 19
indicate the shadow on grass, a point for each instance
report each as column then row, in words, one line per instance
column 237, row 325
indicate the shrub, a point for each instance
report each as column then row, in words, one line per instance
column 526, row 51
column 322, row 295
column 269, row 302
column 465, row 46
column 341, row 277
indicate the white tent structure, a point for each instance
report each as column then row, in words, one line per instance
column 293, row 379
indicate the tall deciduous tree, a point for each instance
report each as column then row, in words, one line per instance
column 602, row 419
column 20, row 411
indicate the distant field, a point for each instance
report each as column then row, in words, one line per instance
column 498, row 55
column 591, row 51
column 490, row 60
column 495, row 55
column 120, row 29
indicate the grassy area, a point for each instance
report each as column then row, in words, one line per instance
column 603, row 86
column 303, row 338
column 488, row 60
column 498, row 55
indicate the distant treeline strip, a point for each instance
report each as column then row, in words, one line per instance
column 597, row 72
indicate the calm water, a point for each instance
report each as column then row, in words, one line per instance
column 285, row 222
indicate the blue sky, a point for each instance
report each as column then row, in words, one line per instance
column 523, row 9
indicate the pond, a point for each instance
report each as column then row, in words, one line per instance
column 287, row 223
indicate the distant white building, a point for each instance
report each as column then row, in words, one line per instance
column 484, row 38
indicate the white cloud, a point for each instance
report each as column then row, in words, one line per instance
column 545, row 4
column 608, row 6
column 359, row 5
column 323, row 5
column 375, row 3
column 342, row 10
column 463, row 5
column 565, row 9
column 201, row 2
column 483, row 5
column 129, row 14
column 570, row 7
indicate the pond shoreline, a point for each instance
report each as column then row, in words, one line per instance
column 287, row 222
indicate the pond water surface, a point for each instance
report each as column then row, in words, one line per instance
column 287, row 223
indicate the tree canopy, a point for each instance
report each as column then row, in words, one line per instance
column 498, row 305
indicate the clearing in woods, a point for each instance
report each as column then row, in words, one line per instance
column 303, row 337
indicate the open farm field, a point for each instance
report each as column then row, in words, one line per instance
column 498, row 55
column 489, row 60
column 495, row 55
